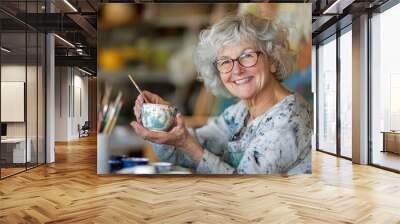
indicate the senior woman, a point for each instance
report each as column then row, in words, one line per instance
column 268, row 131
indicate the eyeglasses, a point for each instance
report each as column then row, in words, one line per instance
column 246, row 60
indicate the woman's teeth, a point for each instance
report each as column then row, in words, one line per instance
column 242, row 81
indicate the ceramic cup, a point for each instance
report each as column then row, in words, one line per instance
column 158, row 117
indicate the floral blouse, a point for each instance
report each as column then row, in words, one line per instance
column 278, row 141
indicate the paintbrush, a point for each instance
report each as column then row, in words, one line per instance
column 111, row 112
column 114, row 118
column 138, row 89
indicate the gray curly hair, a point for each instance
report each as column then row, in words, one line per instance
column 269, row 37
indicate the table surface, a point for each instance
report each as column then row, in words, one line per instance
column 174, row 170
column 391, row 132
column 13, row 140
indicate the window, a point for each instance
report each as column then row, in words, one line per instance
column 327, row 96
column 385, row 88
column 346, row 94
column 22, row 66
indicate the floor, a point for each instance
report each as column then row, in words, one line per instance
column 5, row 172
column 69, row 191
column 10, row 171
column 388, row 159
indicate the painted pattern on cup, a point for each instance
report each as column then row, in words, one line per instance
column 157, row 117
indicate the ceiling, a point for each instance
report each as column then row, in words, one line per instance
column 78, row 24
column 331, row 15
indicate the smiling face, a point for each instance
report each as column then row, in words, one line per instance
column 243, row 82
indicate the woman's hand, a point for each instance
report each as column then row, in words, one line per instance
column 151, row 97
column 178, row 136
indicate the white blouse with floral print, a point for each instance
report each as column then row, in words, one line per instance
column 278, row 141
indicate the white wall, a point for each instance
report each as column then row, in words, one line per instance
column 33, row 126
column 61, row 103
column 81, row 82
column 79, row 104
column 71, row 87
column 14, row 73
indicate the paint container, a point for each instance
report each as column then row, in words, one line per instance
column 115, row 165
column 162, row 167
column 134, row 161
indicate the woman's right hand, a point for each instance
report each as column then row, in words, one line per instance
column 151, row 97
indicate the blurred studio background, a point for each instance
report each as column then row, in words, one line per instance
column 155, row 43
